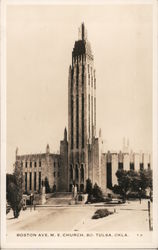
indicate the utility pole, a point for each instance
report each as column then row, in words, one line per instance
column 150, row 227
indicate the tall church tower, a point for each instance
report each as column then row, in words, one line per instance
column 81, row 111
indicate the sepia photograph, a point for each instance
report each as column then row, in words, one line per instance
column 79, row 158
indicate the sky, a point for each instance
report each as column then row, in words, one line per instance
column 40, row 39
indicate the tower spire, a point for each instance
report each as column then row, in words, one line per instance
column 82, row 32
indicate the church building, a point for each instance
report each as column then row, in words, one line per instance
column 81, row 156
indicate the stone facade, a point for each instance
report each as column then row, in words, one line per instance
column 37, row 167
column 126, row 161
column 81, row 155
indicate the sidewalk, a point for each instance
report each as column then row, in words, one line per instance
column 24, row 215
column 132, row 217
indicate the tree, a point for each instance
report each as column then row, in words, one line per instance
column 146, row 179
column 133, row 181
column 14, row 191
column 116, row 189
column 9, row 178
column 124, row 182
column 97, row 193
column 14, row 199
column 47, row 185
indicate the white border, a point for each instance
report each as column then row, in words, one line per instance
column 4, row 3
column 3, row 122
column 155, row 121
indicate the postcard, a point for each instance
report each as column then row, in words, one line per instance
column 79, row 124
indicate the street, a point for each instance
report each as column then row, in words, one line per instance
column 131, row 216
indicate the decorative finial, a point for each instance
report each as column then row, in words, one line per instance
column 16, row 151
column 100, row 132
column 65, row 134
column 47, row 149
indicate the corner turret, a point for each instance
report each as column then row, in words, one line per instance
column 65, row 134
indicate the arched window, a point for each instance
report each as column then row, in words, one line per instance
column 71, row 172
column 82, row 172
column 76, row 172
column 81, row 187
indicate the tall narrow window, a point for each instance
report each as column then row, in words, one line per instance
column 39, row 163
column 82, row 77
column 141, row 166
column 25, row 181
column 77, row 122
column 82, row 173
column 26, row 164
column 82, row 120
column 109, row 175
column 35, row 181
column 72, row 121
column 30, row 164
column 120, row 165
column 35, row 164
column 89, row 113
column 76, row 173
column 72, row 71
column 77, row 106
column 94, row 83
column 30, row 181
column 131, row 166
column 95, row 111
column 39, row 181
column 92, row 113
column 71, row 172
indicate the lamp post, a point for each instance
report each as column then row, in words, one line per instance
column 140, row 194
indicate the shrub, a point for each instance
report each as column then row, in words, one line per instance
column 97, row 195
column 100, row 213
column 94, row 193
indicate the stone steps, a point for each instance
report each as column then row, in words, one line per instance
column 58, row 201
column 61, row 195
